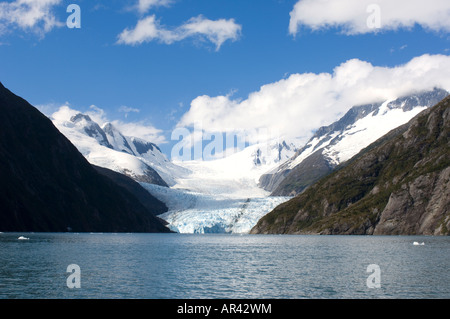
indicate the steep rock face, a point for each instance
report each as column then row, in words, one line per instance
column 47, row 185
column 153, row 205
column 290, row 182
column 334, row 144
column 397, row 185
column 417, row 207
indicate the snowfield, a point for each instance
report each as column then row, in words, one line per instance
column 367, row 130
column 343, row 145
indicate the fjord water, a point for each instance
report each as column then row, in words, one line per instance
column 174, row 266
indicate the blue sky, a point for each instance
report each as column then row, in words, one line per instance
column 158, row 79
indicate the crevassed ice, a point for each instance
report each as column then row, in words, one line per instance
column 194, row 212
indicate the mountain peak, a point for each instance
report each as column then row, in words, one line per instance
column 79, row 117
column 108, row 127
column 142, row 146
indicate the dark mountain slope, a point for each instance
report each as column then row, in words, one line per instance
column 153, row 205
column 47, row 185
column 398, row 185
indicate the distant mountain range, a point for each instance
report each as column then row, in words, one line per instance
column 106, row 146
column 334, row 144
column 398, row 185
column 47, row 185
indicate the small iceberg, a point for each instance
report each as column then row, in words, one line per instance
column 23, row 238
column 418, row 244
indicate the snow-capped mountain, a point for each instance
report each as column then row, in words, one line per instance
column 106, row 146
column 145, row 151
column 83, row 123
column 334, row 144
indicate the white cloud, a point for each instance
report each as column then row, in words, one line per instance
column 29, row 15
column 145, row 5
column 146, row 30
column 127, row 109
column 295, row 106
column 142, row 130
column 149, row 29
column 49, row 108
column 63, row 113
column 216, row 31
column 352, row 15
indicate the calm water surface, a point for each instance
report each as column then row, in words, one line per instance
column 175, row 266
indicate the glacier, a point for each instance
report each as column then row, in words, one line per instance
column 222, row 195
column 194, row 212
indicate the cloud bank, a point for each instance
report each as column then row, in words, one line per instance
column 295, row 106
column 352, row 15
column 149, row 29
column 29, row 15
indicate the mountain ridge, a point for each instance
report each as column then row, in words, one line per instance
column 398, row 185
column 334, row 144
